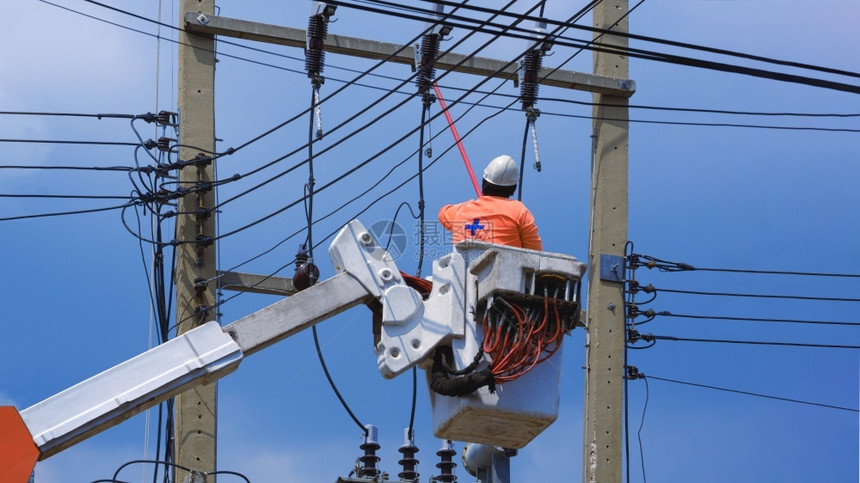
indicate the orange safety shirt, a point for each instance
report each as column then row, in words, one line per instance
column 492, row 219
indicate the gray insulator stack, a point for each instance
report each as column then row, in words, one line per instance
column 531, row 69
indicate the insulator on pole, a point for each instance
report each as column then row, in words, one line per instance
column 408, row 462
column 530, row 69
column 446, row 465
column 314, row 54
column 370, row 446
column 425, row 65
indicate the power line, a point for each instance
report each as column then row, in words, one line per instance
column 55, row 141
column 548, row 113
column 753, row 319
column 651, row 289
column 654, row 337
column 71, row 168
column 64, row 213
column 66, row 114
column 647, row 55
column 653, row 40
column 73, row 197
column 737, row 391
column 635, row 261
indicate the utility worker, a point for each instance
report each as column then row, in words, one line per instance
column 493, row 217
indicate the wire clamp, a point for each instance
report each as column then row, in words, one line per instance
column 633, row 373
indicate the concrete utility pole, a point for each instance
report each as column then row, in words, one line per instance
column 195, row 410
column 606, row 335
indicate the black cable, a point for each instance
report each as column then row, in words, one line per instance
column 648, row 55
column 751, row 342
column 523, row 162
column 70, row 168
column 66, row 114
column 310, row 189
column 421, row 191
column 64, row 213
column 56, row 141
column 645, row 38
column 727, row 294
column 671, row 266
column 332, row 384
column 70, row 197
column 632, row 106
column 414, row 400
column 641, row 424
column 736, row 391
column 755, row 319
column 774, row 272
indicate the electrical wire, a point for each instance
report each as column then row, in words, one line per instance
column 754, row 319
column 747, row 393
column 64, row 213
column 770, row 296
column 70, row 168
column 632, row 106
column 57, row 141
column 645, row 38
column 654, row 337
column 66, row 114
column 333, row 386
column 753, row 126
column 662, row 265
column 69, row 197
column 649, row 55
column 642, row 424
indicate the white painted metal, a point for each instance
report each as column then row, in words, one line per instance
column 409, row 337
column 201, row 355
column 296, row 313
column 519, row 410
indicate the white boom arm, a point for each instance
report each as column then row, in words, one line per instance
column 411, row 329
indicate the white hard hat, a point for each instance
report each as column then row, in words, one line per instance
column 502, row 171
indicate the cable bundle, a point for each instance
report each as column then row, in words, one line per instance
column 518, row 338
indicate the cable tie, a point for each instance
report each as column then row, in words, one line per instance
column 633, row 373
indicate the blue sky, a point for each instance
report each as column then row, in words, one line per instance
column 75, row 295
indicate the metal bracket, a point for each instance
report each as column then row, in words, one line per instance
column 611, row 268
